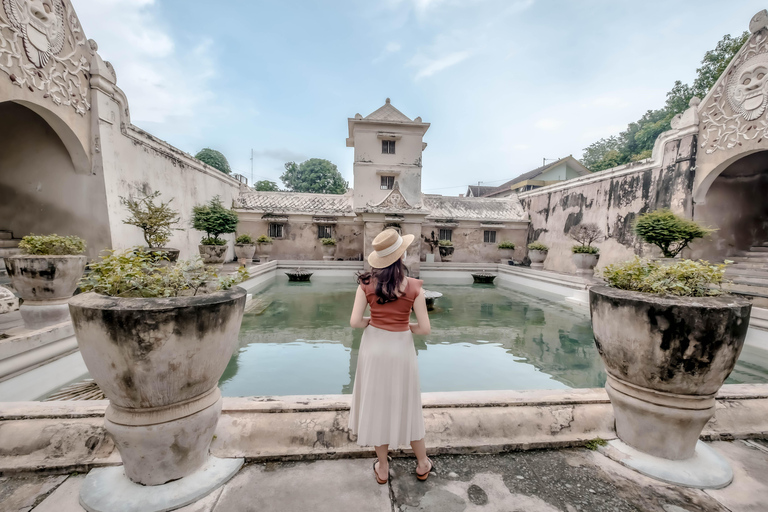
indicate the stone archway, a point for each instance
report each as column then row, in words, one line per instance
column 46, row 184
column 735, row 204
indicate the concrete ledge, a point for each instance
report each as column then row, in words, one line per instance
column 60, row 436
column 26, row 350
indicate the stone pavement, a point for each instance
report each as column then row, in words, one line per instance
column 566, row 480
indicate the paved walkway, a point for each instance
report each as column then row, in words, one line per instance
column 534, row 481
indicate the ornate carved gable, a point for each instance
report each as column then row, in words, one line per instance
column 734, row 112
column 394, row 202
column 43, row 49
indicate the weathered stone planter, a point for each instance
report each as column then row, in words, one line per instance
column 483, row 278
column 213, row 254
column 585, row 263
column 666, row 359
column 537, row 258
column 299, row 276
column 506, row 255
column 264, row 251
column 45, row 283
column 244, row 253
column 172, row 255
column 446, row 252
column 328, row 252
column 158, row 361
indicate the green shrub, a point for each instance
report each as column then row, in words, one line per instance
column 537, row 246
column 215, row 159
column 445, row 243
column 506, row 244
column 136, row 273
column 214, row 220
column 213, row 241
column 155, row 220
column 669, row 232
column 328, row 241
column 52, row 245
column 244, row 239
column 584, row 249
column 263, row 239
column 685, row 278
column 595, row 443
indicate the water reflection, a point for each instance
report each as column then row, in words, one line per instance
column 483, row 337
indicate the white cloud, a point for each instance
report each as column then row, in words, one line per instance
column 164, row 79
column 548, row 124
column 430, row 67
column 520, row 147
column 389, row 49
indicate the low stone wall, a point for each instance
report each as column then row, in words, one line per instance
column 68, row 436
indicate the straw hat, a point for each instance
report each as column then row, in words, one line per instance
column 388, row 247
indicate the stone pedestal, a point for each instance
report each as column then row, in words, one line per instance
column 585, row 263
column 537, row 258
column 41, row 314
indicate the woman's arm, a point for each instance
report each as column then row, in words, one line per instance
column 357, row 320
column 422, row 317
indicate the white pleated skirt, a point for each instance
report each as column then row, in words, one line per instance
column 386, row 398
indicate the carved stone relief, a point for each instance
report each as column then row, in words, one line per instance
column 43, row 49
column 394, row 201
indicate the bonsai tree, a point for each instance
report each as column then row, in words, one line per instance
column 244, row 239
column 506, row 244
column 215, row 159
column 155, row 220
column 685, row 278
column 263, row 239
column 585, row 235
column 433, row 242
column 667, row 231
column 537, row 246
column 214, row 220
column 52, row 245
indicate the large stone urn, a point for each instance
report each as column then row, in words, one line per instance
column 265, row 249
column 666, row 358
column 506, row 255
column 213, row 254
column 446, row 252
column 585, row 263
column 328, row 252
column 158, row 361
column 167, row 254
column 244, row 253
column 45, row 283
column 537, row 258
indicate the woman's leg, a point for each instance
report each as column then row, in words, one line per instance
column 383, row 468
column 420, row 450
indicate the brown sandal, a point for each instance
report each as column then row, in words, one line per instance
column 378, row 480
column 426, row 475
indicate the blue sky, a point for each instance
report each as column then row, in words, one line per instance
column 503, row 82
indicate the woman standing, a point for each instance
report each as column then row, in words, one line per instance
column 386, row 399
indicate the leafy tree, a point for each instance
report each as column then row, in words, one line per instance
column 214, row 220
column 266, row 186
column 636, row 142
column 586, row 235
column 668, row 232
column 215, row 159
column 315, row 175
column 155, row 220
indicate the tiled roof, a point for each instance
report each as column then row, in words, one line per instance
column 295, row 202
column 478, row 190
column 474, row 208
column 532, row 174
column 388, row 113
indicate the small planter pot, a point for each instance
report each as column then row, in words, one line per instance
column 483, row 278
column 666, row 359
column 213, row 254
column 264, row 252
column 328, row 252
column 45, row 283
column 585, row 263
column 537, row 258
column 171, row 255
column 446, row 253
column 506, row 255
column 244, row 253
column 430, row 257
column 299, row 276
column 159, row 361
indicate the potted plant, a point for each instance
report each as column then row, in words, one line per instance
column 446, row 250
column 156, row 339
column 45, row 275
column 585, row 255
column 506, row 248
column 214, row 220
column 433, row 243
column 245, row 248
column 669, row 338
column 669, row 232
column 537, row 253
column 329, row 248
column 156, row 221
column 265, row 247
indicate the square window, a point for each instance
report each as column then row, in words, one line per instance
column 324, row 232
column 489, row 237
column 275, row 230
column 445, row 234
column 387, row 182
column 387, row 147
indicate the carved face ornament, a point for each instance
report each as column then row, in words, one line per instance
column 748, row 88
column 41, row 23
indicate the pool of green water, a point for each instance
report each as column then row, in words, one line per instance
column 297, row 341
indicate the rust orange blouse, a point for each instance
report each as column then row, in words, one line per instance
column 396, row 315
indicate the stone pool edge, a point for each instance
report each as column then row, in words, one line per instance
column 70, row 436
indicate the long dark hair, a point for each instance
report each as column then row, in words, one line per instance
column 388, row 280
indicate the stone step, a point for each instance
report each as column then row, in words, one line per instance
column 732, row 272
column 759, row 248
column 5, row 235
column 750, row 280
column 757, row 265
column 5, row 243
column 750, row 258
